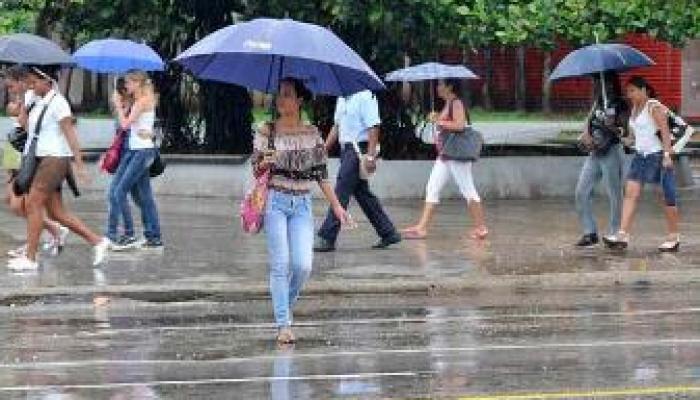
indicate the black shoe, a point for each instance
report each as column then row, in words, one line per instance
column 323, row 245
column 152, row 244
column 125, row 243
column 388, row 241
column 588, row 240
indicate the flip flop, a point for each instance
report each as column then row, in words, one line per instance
column 413, row 235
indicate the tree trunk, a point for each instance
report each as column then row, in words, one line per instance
column 521, row 80
column 488, row 80
column 546, row 84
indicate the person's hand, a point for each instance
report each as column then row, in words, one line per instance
column 344, row 217
column 371, row 164
column 667, row 161
column 268, row 157
column 433, row 116
column 586, row 139
column 117, row 100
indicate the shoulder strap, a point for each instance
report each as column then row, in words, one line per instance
column 39, row 122
column 271, row 137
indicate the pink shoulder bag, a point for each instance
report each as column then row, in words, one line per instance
column 252, row 211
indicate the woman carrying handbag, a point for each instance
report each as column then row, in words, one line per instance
column 452, row 120
column 293, row 155
column 52, row 144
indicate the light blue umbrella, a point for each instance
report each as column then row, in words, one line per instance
column 258, row 53
column 117, row 56
column 25, row 48
column 430, row 71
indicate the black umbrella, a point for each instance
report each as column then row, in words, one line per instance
column 25, row 48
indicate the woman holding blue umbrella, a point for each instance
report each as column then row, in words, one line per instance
column 452, row 119
column 133, row 170
column 295, row 154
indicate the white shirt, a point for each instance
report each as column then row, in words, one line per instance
column 52, row 142
column 645, row 140
column 144, row 124
column 355, row 115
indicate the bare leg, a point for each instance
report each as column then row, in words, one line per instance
column 35, row 205
column 629, row 206
column 58, row 213
column 476, row 210
column 421, row 228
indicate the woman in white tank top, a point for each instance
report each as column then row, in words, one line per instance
column 133, row 175
column 651, row 164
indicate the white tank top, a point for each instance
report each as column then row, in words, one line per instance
column 644, row 128
column 143, row 124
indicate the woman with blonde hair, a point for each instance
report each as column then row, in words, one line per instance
column 133, row 170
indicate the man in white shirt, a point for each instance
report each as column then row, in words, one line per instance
column 356, row 123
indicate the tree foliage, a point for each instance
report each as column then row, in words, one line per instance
column 385, row 32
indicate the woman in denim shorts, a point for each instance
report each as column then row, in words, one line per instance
column 652, row 163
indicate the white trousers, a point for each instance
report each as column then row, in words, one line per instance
column 460, row 171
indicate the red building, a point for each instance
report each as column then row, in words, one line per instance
column 672, row 76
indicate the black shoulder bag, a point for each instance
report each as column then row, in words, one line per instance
column 27, row 169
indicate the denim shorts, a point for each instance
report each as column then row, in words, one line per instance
column 649, row 169
column 646, row 168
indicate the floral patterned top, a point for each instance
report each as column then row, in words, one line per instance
column 299, row 161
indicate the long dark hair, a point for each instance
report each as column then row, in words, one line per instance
column 641, row 83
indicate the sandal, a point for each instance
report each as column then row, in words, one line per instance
column 480, row 233
column 413, row 235
column 620, row 241
column 285, row 336
column 671, row 245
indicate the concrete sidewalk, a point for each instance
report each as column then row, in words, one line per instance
column 207, row 254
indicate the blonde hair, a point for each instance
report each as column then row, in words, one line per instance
column 145, row 84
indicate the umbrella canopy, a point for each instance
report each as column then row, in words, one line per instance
column 599, row 58
column 117, row 56
column 258, row 53
column 430, row 71
column 25, row 48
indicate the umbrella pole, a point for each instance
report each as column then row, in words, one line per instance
column 602, row 79
column 432, row 97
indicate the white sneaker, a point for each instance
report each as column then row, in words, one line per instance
column 22, row 264
column 100, row 252
column 63, row 236
column 18, row 252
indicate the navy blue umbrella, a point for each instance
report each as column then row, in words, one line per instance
column 25, row 48
column 258, row 53
column 117, row 56
column 599, row 58
column 430, row 71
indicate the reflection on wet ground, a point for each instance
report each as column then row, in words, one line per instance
column 635, row 343
column 204, row 245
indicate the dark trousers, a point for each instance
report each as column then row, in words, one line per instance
column 350, row 184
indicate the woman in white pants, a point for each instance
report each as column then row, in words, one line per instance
column 453, row 118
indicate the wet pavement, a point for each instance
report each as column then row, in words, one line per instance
column 624, row 344
column 522, row 315
column 531, row 243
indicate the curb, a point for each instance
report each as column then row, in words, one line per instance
column 441, row 286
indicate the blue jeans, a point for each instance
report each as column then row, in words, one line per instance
column 609, row 168
column 289, row 229
column 127, row 218
column 132, row 176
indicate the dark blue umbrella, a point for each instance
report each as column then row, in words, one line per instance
column 430, row 71
column 25, row 48
column 257, row 54
column 117, row 56
column 599, row 58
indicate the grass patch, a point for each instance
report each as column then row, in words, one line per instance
column 478, row 114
